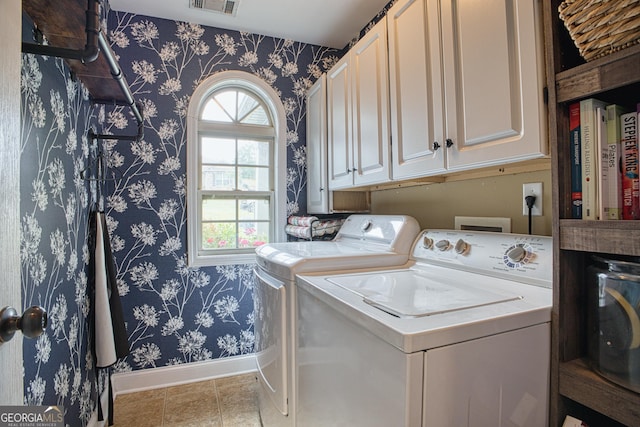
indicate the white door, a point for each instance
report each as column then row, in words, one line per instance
column 493, row 74
column 339, row 125
column 370, row 107
column 317, row 191
column 11, row 366
column 416, row 94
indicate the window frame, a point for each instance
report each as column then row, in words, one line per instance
column 271, row 100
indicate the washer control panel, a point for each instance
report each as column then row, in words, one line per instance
column 521, row 257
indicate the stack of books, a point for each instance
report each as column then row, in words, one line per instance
column 604, row 161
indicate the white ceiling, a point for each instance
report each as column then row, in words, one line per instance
column 330, row 23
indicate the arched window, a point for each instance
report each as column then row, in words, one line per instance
column 236, row 163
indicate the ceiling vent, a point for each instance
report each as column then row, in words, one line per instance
column 226, row 7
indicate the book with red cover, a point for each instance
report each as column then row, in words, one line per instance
column 630, row 181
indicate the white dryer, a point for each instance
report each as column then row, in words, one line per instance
column 364, row 242
column 460, row 338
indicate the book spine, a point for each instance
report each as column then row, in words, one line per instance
column 630, row 182
column 590, row 157
column 613, row 203
column 602, row 165
column 576, row 161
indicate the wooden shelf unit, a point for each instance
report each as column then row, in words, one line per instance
column 576, row 389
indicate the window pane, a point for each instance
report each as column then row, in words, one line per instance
column 227, row 98
column 213, row 112
column 254, row 179
column 257, row 117
column 218, row 209
column 218, row 150
column 218, row 178
column 219, row 235
column 254, row 209
column 252, row 234
column 251, row 152
column 246, row 103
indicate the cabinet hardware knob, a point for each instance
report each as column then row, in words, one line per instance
column 32, row 323
column 435, row 145
column 449, row 142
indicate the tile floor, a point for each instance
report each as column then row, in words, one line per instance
column 223, row 402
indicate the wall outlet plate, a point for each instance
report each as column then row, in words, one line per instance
column 532, row 189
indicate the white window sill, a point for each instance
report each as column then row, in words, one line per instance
column 214, row 260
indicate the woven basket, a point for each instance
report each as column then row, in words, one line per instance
column 600, row 27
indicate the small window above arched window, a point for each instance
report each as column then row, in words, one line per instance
column 236, row 106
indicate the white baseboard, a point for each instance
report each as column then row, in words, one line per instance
column 166, row 376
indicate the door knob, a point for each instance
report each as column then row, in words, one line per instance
column 31, row 323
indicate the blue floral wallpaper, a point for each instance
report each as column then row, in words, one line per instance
column 174, row 314
column 55, row 200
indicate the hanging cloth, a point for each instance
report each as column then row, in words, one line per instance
column 110, row 333
column 110, row 341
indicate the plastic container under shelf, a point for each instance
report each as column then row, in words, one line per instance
column 614, row 321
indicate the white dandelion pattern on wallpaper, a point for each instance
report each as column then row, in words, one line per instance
column 174, row 314
column 53, row 250
column 180, row 314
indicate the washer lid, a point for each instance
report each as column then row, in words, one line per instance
column 412, row 293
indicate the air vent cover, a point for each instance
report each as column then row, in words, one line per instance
column 226, row 7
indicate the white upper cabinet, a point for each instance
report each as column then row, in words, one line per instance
column 317, row 190
column 494, row 81
column 339, row 125
column 358, row 113
column 416, row 89
column 466, row 84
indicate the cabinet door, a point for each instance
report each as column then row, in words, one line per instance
column 370, row 107
column 339, row 125
column 493, row 73
column 317, row 191
column 416, row 97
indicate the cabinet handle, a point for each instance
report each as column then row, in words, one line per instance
column 321, row 189
column 435, row 145
column 449, row 142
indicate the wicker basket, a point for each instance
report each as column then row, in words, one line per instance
column 600, row 27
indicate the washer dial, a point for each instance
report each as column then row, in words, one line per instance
column 517, row 255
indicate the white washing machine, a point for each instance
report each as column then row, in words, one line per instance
column 363, row 242
column 460, row 338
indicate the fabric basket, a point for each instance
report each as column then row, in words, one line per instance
column 601, row 27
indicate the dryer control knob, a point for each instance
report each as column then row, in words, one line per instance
column 443, row 245
column 517, row 253
column 427, row 242
column 461, row 247
column 366, row 225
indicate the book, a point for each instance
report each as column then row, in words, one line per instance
column 612, row 183
column 602, row 165
column 576, row 161
column 589, row 156
column 630, row 182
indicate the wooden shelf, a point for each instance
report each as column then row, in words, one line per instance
column 582, row 385
column 63, row 22
column 612, row 237
column 611, row 72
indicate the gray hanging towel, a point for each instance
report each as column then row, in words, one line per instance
column 110, row 335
